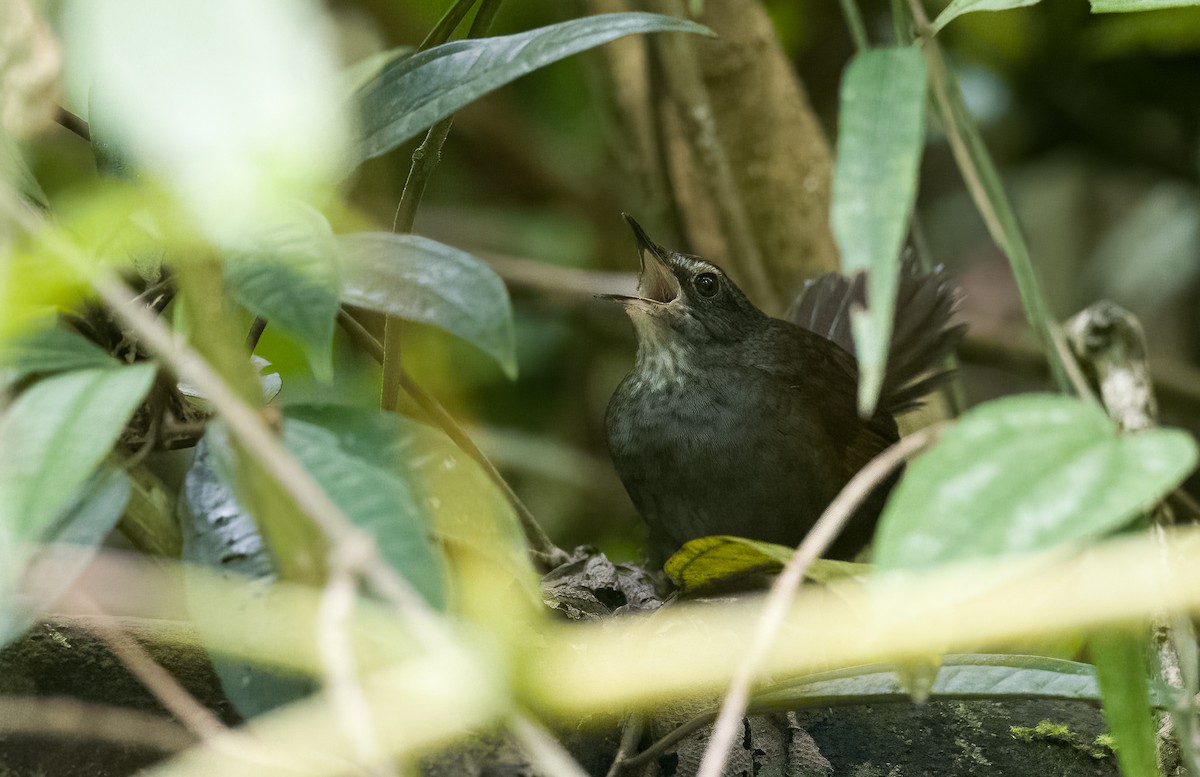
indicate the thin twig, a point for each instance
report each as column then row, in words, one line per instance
column 630, row 734
column 545, row 753
column 854, row 22
column 63, row 717
column 337, row 658
column 947, row 98
column 256, row 330
column 74, row 123
column 783, row 590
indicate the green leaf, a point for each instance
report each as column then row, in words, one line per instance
column 881, row 134
column 959, row 7
column 448, row 493
column 1023, row 474
column 51, row 349
column 714, row 562
column 419, row 279
column 1122, row 666
column 53, row 436
column 1127, row 6
column 234, row 107
column 288, row 274
column 415, row 92
column 36, row 569
column 962, row 676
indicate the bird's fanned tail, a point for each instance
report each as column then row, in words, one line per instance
column 922, row 335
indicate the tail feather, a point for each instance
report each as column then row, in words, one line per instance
column 922, row 335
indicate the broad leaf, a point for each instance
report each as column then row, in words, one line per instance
column 51, row 349
column 962, row 676
column 53, row 436
column 1122, row 666
column 288, row 274
column 1127, row 6
column 415, row 92
column 959, row 7
column 1023, row 474
column 36, row 570
column 881, row 134
column 419, row 279
column 451, row 495
column 713, row 562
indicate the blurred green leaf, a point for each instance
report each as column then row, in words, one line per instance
column 713, row 562
column 51, row 349
column 959, row 7
column 233, row 106
column 35, row 569
column 1121, row 667
column 1023, row 474
column 1127, row 6
column 880, row 139
column 960, row 676
column 419, row 279
column 53, row 436
column 288, row 273
column 15, row 171
column 437, row 486
column 415, row 92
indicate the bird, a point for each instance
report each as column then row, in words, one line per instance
column 732, row 422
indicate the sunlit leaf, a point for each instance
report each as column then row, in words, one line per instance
column 1023, row 474
column 232, row 106
column 35, row 569
column 419, row 279
column 1122, row 666
column 959, row 7
column 55, row 433
column 712, row 562
column 414, row 92
column 880, row 139
column 51, row 349
column 288, row 274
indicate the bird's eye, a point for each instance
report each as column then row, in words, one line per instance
column 707, row 284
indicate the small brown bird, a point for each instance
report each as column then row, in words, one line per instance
column 733, row 422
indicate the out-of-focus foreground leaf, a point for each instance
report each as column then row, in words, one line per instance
column 415, row 92
column 289, row 275
column 1127, row 6
column 52, row 437
column 38, row 569
column 1023, row 474
column 1122, row 666
column 880, row 138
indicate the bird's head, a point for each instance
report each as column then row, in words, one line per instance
column 684, row 296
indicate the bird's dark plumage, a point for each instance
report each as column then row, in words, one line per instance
column 733, row 422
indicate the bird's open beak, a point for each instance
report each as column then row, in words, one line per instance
column 656, row 283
